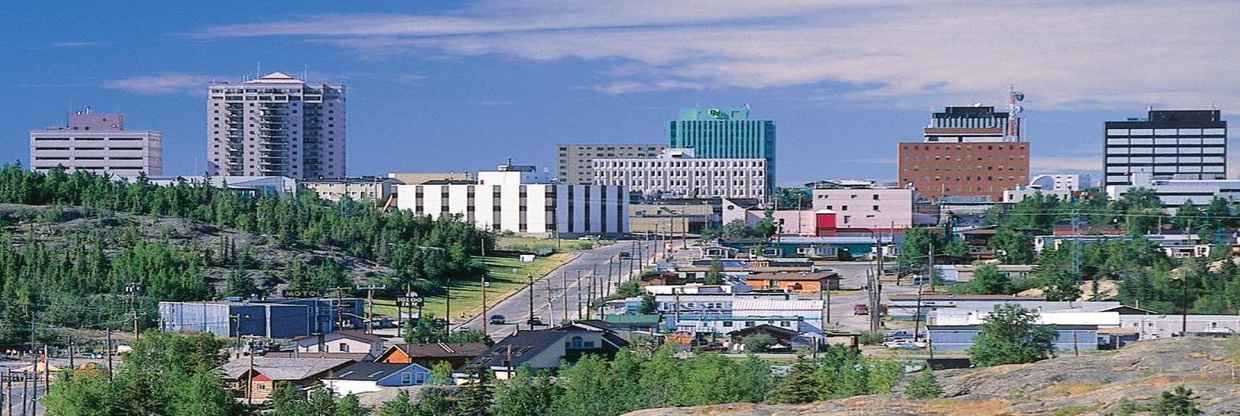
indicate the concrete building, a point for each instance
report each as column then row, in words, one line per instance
column 1177, row 144
column 97, row 143
column 358, row 189
column 1177, row 192
column 276, row 125
column 1022, row 192
column 575, row 162
column 871, row 208
column 1173, row 245
column 272, row 318
column 905, row 306
column 522, row 200
column 965, row 152
column 727, row 133
column 1167, row 326
column 1067, row 182
column 678, row 173
column 1073, row 330
column 673, row 217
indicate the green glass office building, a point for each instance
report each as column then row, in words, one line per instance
column 726, row 133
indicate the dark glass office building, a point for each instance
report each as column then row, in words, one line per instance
column 1173, row 144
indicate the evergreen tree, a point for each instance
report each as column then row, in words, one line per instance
column 399, row 406
column 800, row 386
column 475, row 396
column 526, row 394
column 1179, row 401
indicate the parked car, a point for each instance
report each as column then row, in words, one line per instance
column 861, row 309
column 899, row 334
column 498, row 320
column 535, row 321
column 626, row 255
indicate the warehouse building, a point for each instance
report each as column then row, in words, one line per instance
column 272, row 318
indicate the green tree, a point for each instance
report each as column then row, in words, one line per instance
column 799, row 386
column 401, row 405
column 988, row 280
column 441, row 374
column 584, row 388
column 1062, row 286
column 1179, row 401
column 350, row 406
column 434, row 402
column 659, row 377
column 84, row 393
column 526, row 394
column 925, row 386
column 1010, row 335
column 202, row 393
column 956, row 249
column 475, row 396
column 648, row 305
column 714, row 275
column 1013, row 246
column 915, row 248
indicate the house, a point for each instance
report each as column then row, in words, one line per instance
column 428, row 355
column 961, row 273
column 259, row 378
column 365, row 377
column 545, row 349
column 351, row 356
column 799, row 283
column 341, row 342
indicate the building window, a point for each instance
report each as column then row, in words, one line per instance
column 344, row 347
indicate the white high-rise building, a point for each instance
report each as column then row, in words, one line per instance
column 276, row 125
column 99, row 143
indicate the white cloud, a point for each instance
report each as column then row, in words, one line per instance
column 165, row 83
column 1056, row 164
column 1063, row 54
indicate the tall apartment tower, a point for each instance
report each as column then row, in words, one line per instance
column 276, row 125
column 966, row 153
column 575, row 162
column 728, row 133
column 99, row 143
column 1175, row 144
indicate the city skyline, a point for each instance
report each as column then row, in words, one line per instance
column 441, row 75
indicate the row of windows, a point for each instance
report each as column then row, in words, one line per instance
column 959, row 158
column 1166, row 132
column 972, row 178
column 679, row 163
column 1015, row 146
column 979, row 168
column 674, row 174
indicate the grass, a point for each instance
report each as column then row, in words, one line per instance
column 467, row 295
column 1074, row 410
column 1076, row 388
column 529, row 244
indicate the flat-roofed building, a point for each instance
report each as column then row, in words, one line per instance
column 1168, row 144
column 358, row 189
column 678, row 173
column 575, row 162
column 98, row 143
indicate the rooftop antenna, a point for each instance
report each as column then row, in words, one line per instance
column 1015, row 131
column 258, row 70
column 305, row 72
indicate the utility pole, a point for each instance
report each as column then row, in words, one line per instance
column 550, row 304
column 249, row 385
column 564, row 295
column 370, row 305
column 484, row 300
column 108, row 352
column 132, row 289
column 71, row 366
column 590, row 297
column 579, row 295
column 530, row 277
column 609, row 270
column 930, row 267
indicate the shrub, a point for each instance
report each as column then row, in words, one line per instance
column 870, row 338
column 925, row 386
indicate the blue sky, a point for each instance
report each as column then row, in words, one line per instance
column 464, row 85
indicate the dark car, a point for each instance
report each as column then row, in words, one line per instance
column 534, row 321
column 498, row 320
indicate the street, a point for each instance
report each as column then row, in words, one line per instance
column 557, row 295
column 853, row 280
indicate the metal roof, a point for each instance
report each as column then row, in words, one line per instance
column 286, row 369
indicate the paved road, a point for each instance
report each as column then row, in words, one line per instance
column 13, row 402
column 853, row 279
column 567, row 284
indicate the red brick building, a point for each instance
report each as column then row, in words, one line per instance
column 964, row 169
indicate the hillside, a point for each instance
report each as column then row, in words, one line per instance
column 1091, row 384
column 55, row 227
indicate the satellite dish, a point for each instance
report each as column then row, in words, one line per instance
column 1020, row 96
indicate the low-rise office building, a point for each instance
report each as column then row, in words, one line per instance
column 870, row 208
column 1173, row 245
column 1177, row 192
column 358, row 189
column 521, row 200
column 575, row 162
column 421, row 178
column 97, row 143
column 677, row 173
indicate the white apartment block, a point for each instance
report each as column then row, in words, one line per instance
column 98, row 143
column 574, row 162
column 520, row 200
column 276, row 125
column 676, row 173
column 357, row 189
column 871, row 208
